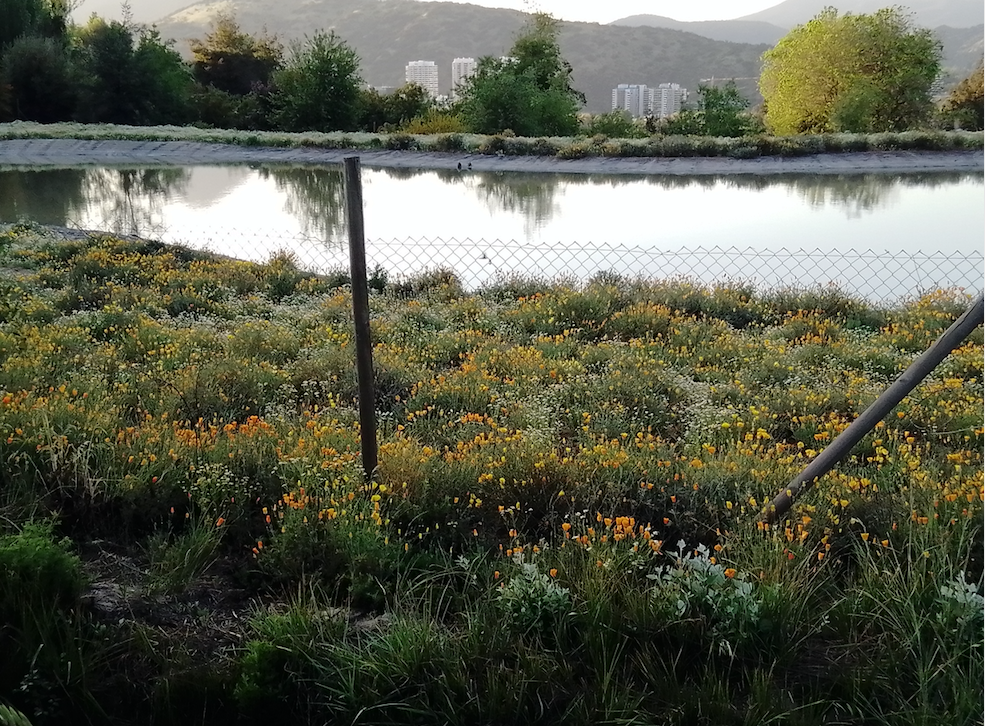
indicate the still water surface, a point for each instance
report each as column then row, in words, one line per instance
column 247, row 211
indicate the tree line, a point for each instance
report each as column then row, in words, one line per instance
column 862, row 73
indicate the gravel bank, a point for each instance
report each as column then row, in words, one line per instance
column 70, row 152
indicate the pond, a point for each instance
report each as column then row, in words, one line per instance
column 882, row 235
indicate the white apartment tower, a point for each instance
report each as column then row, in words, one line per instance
column 668, row 99
column 461, row 69
column 424, row 74
column 634, row 98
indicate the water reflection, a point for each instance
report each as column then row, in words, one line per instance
column 133, row 201
column 122, row 201
column 531, row 195
column 47, row 196
column 534, row 208
column 853, row 194
column 315, row 196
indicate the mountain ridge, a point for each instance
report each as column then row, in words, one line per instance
column 928, row 13
column 729, row 31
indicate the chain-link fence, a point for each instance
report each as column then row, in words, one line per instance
column 879, row 276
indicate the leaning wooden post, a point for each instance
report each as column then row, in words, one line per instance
column 910, row 379
column 360, row 313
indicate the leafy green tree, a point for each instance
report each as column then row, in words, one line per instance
column 723, row 110
column 529, row 91
column 392, row 110
column 167, row 81
column 131, row 76
column 233, row 61
column 318, row 87
column 42, row 18
column 964, row 104
column 536, row 51
column 111, row 90
column 407, row 102
column 38, row 81
column 850, row 73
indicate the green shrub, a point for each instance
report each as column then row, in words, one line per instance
column 575, row 150
column 533, row 603
column 400, row 142
column 495, row 144
column 281, row 275
column 37, row 571
column 616, row 124
column 435, row 122
column 449, row 142
column 41, row 585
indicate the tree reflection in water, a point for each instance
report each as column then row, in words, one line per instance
column 121, row 201
column 315, row 196
column 530, row 194
column 855, row 194
column 132, row 200
column 46, row 196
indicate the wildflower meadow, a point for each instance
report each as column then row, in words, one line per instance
column 564, row 526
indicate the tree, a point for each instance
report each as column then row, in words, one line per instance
column 964, row 104
column 41, row 18
column 166, row 80
column 392, row 110
column 318, row 87
column 407, row 102
column 38, row 79
column 722, row 110
column 529, row 91
column 850, row 73
column 131, row 76
column 233, row 61
column 111, row 90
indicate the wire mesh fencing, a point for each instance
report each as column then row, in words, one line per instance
column 885, row 276
column 877, row 276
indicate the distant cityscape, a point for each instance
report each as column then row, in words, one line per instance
column 636, row 99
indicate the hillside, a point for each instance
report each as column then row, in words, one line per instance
column 143, row 11
column 731, row 31
column 962, row 47
column 929, row 13
column 387, row 35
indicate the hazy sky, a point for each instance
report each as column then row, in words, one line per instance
column 599, row 12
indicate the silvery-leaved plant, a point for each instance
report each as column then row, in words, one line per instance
column 533, row 602
column 696, row 587
column 962, row 607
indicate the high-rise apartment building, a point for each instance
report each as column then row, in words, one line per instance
column 640, row 100
column 424, row 74
column 461, row 69
column 631, row 97
column 668, row 99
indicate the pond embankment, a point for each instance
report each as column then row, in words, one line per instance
column 70, row 152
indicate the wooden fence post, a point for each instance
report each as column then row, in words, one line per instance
column 901, row 387
column 360, row 313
